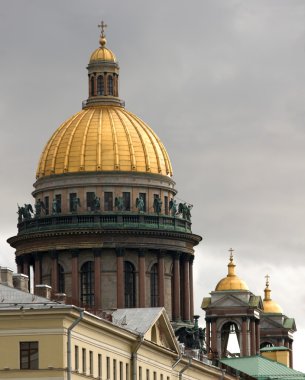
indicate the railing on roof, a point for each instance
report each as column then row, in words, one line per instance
column 104, row 220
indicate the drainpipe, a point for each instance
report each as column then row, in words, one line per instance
column 134, row 357
column 69, row 365
column 177, row 361
column 185, row 368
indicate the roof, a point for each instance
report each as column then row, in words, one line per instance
column 274, row 348
column 262, row 368
column 138, row 320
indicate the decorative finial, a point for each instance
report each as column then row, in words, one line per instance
column 267, row 277
column 103, row 40
column 231, row 254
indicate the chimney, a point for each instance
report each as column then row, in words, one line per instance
column 43, row 291
column 60, row 297
column 6, row 277
column 21, row 282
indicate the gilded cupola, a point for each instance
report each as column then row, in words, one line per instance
column 232, row 281
column 269, row 305
column 104, row 136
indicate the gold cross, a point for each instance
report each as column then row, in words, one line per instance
column 231, row 253
column 102, row 26
column 267, row 277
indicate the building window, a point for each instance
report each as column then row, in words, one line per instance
column 127, row 371
column 126, row 201
column 90, row 197
column 110, row 85
column 155, row 375
column 108, row 367
column 99, row 366
column 76, row 358
column 47, row 205
column 92, row 86
column 57, row 204
column 166, row 205
column 100, row 85
column 108, row 201
column 147, row 374
column 87, row 284
column 74, row 202
column 84, row 359
column 143, row 195
column 61, row 278
column 154, row 286
column 91, row 362
column 28, row 355
column 130, row 288
column 140, row 373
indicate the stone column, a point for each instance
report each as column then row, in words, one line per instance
column 207, row 335
column 290, row 354
column 120, row 277
column 253, row 337
column 214, row 338
column 54, row 271
column 142, row 282
column 26, row 266
column 176, row 287
column 75, row 277
column 161, row 278
column 37, row 270
column 97, row 278
column 257, row 336
column 19, row 262
column 186, row 289
column 191, row 287
column 244, row 337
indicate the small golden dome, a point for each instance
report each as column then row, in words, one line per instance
column 232, row 281
column 102, row 54
column 104, row 138
column 269, row 305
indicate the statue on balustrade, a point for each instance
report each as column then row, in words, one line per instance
column 96, row 204
column 140, row 203
column 157, row 205
column 39, row 208
column 119, row 203
column 75, row 204
column 55, row 206
column 185, row 210
column 173, row 207
column 24, row 212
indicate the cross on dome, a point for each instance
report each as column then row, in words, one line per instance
column 267, row 277
column 102, row 25
column 231, row 254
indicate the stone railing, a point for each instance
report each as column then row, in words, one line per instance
column 105, row 220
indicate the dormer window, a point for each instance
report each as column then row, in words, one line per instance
column 100, row 85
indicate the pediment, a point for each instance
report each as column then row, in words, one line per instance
column 228, row 301
column 162, row 334
column 268, row 323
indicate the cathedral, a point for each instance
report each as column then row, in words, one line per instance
column 107, row 233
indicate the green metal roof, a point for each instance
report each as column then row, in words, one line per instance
column 255, row 301
column 262, row 368
column 289, row 323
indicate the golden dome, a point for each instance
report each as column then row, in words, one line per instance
column 104, row 138
column 269, row 305
column 232, row 281
column 102, row 54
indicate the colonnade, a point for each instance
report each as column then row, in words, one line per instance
column 182, row 305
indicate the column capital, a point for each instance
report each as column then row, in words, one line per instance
column 75, row 252
column 53, row 253
column 142, row 252
column 120, row 251
column 162, row 253
column 97, row 252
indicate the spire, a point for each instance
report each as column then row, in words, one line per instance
column 267, row 290
column 103, row 40
column 231, row 265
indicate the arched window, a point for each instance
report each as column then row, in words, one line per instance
column 110, row 85
column 130, row 284
column 154, row 286
column 100, row 85
column 61, row 278
column 92, row 86
column 87, row 284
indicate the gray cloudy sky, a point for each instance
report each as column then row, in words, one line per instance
column 222, row 84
